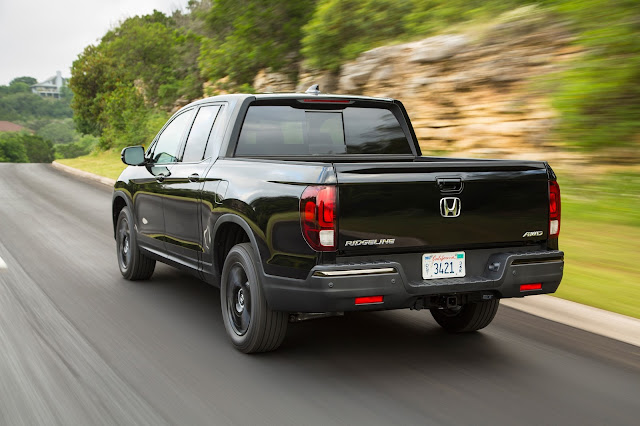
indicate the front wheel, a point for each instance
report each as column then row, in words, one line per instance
column 250, row 324
column 468, row 317
column 134, row 265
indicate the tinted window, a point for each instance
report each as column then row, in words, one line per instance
column 374, row 131
column 215, row 140
column 284, row 130
column 199, row 134
column 166, row 148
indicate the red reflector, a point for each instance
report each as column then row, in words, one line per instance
column 326, row 101
column 529, row 287
column 368, row 299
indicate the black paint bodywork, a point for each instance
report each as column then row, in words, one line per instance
column 180, row 219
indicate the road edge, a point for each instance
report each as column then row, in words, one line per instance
column 594, row 320
column 82, row 174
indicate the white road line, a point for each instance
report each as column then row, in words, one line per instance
column 2, row 264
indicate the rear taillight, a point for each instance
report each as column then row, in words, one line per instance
column 318, row 217
column 554, row 209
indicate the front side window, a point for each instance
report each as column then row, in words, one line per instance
column 166, row 149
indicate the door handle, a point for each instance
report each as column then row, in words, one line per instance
column 449, row 184
column 194, row 178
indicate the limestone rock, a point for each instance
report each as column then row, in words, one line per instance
column 267, row 81
column 307, row 77
column 438, row 48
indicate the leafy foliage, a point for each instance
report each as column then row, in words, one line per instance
column 12, row 150
column 58, row 131
column 81, row 146
column 125, row 85
column 599, row 95
column 145, row 64
column 24, row 147
column 125, row 119
column 49, row 118
column 429, row 16
column 26, row 80
column 247, row 35
column 24, row 106
column 342, row 29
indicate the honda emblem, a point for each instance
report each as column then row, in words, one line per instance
column 450, row 207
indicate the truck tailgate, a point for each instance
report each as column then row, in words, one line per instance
column 391, row 206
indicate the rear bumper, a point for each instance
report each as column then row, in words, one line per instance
column 490, row 274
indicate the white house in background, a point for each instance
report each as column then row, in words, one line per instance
column 50, row 88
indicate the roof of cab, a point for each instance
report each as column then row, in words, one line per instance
column 266, row 96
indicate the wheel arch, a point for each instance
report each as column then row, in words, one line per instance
column 229, row 230
column 120, row 200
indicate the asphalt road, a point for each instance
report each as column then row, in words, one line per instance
column 79, row 345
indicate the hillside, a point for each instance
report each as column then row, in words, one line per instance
column 482, row 78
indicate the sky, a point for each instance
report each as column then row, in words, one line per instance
column 38, row 37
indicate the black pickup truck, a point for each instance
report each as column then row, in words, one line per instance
column 304, row 205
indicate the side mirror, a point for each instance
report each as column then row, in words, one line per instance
column 133, row 155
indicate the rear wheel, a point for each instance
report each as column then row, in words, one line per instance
column 468, row 317
column 133, row 264
column 250, row 324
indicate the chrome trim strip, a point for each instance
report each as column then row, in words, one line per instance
column 348, row 272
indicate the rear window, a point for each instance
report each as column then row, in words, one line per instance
column 284, row 130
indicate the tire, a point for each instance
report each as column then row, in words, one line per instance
column 468, row 317
column 250, row 324
column 133, row 264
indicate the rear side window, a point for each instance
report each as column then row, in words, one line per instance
column 285, row 130
column 199, row 134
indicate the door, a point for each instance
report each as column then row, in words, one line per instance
column 182, row 189
column 148, row 199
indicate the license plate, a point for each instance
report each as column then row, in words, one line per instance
column 443, row 265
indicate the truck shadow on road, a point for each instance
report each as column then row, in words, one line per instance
column 374, row 338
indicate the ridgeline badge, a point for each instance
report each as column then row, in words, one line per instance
column 355, row 243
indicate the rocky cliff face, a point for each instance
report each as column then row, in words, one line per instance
column 472, row 93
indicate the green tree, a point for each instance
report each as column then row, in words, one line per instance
column 428, row 16
column 599, row 94
column 58, row 131
column 25, row 106
column 38, row 150
column 12, row 149
column 126, row 119
column 27, row 80
column 247, row 35
column 342, row 29
column 82, row 146
column 147, row 55
column 19, row 87
column 23, row 147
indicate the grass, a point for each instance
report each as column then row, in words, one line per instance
column 601, row 265
column 105, row 163
column 600, row 234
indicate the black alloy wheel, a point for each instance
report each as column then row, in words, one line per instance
column 134, row 265
column 250, row 324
